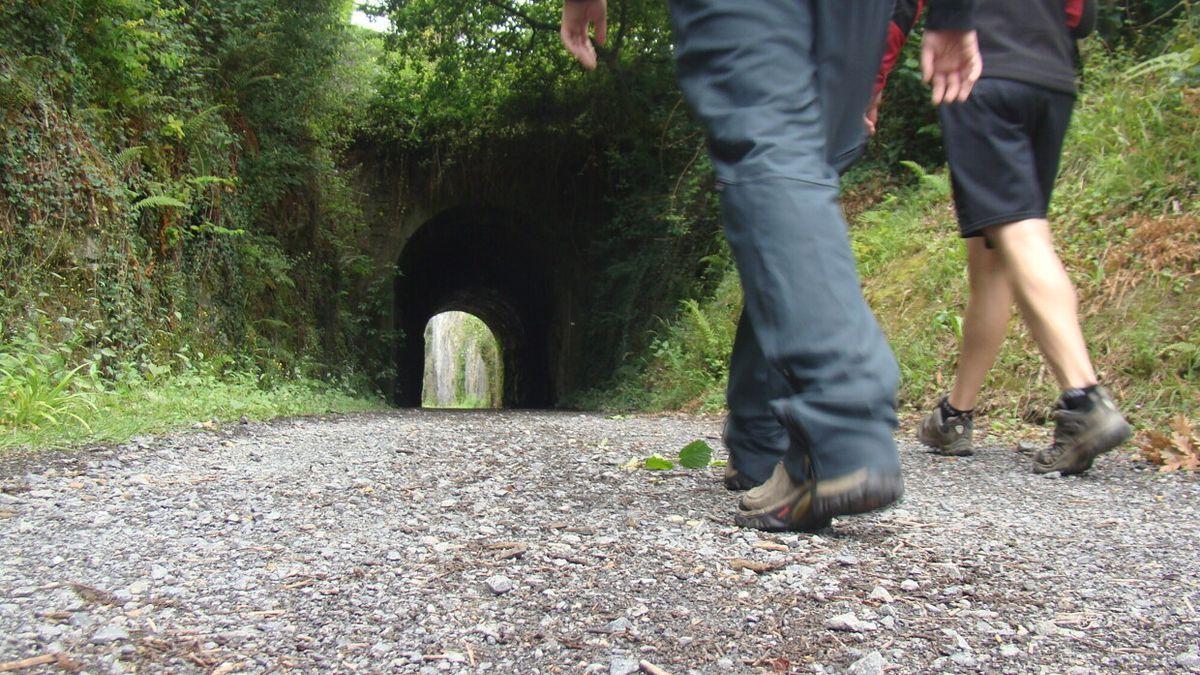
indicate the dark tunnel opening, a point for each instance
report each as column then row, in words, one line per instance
column 482, row 263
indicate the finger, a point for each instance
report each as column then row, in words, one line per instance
column 601, row 29
column 939, row 88
column 953, row 86
column 926, row 63
column 968, row 86
column 576, row 42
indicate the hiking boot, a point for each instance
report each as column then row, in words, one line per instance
column 947, row 435
column 811, row 505
column 768, row 492
column 1080, row 436
column 737, row 481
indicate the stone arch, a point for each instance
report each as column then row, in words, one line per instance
column 483, row 262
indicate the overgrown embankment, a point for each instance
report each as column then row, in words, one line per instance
column 174, row 227
column 1127, row 220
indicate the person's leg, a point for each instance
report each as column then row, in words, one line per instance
column 949, row 428
column 753, row 435
column 750, row 72
column 985, row 322
column 1046, row 298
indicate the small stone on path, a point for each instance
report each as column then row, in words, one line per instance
column 109, row 634
column 623, row 665
column 850, row 623
column 1189, row 660
column 871, row 664
column 499, row 584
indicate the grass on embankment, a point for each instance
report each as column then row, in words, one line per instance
column 1126, row 217
column 47, row 402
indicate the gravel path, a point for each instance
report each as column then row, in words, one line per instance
column 422, row 541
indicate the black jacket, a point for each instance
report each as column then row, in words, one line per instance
column 1030, row 41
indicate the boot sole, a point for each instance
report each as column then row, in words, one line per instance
column 862, row 491
column 1080, row 458
column 859, row 492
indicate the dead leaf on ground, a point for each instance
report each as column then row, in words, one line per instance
column 1177, row 451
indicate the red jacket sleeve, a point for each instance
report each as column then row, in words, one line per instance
column 904, row 17
column 1081, row 17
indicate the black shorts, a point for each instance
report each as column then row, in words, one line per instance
column 1004, row 144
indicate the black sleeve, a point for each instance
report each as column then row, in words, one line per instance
column 1087, row 22
column 905, row 14
column 950, row 15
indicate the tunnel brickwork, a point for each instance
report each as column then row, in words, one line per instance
column 482, row 262
column 506, row 235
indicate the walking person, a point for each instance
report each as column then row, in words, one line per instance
column 1004, row 146
column 782, row 88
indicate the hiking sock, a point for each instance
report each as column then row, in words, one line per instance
column 949, row 411
column 1078, row 400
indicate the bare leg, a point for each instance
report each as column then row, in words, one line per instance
column 1046, row 298
column 985, row 323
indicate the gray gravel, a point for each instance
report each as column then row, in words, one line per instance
column 424, row 541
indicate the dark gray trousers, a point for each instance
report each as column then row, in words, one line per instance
column 781, row 87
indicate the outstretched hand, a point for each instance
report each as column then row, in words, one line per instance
column 950, row 63
column 577, row 16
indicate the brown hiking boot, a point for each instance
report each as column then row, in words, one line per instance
column 1080, row 436
column 947, row 435
column 810, row 506
column 769, row 492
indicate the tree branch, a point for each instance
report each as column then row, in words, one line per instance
column 534, row 23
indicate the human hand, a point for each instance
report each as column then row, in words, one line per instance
column 950, row 63
column 577, row 16
column 871, row 119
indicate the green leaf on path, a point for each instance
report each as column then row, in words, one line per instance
column 695, row 455
column 656, row 463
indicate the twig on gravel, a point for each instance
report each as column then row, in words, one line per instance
column 755, row 566
column 28, row 663
column 508, row 549
column 651, row 669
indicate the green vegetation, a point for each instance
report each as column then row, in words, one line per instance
column 694, row 455
column 1127, row 218
column 172, row 212
column 50, row 402
column 463, row 368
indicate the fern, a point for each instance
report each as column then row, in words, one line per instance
column 711, row 343
column 197, row 121
column 200, row 181
column 159, row 201
column 126, row 156
column 1181, row 65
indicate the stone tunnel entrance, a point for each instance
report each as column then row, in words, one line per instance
column 482, row 263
